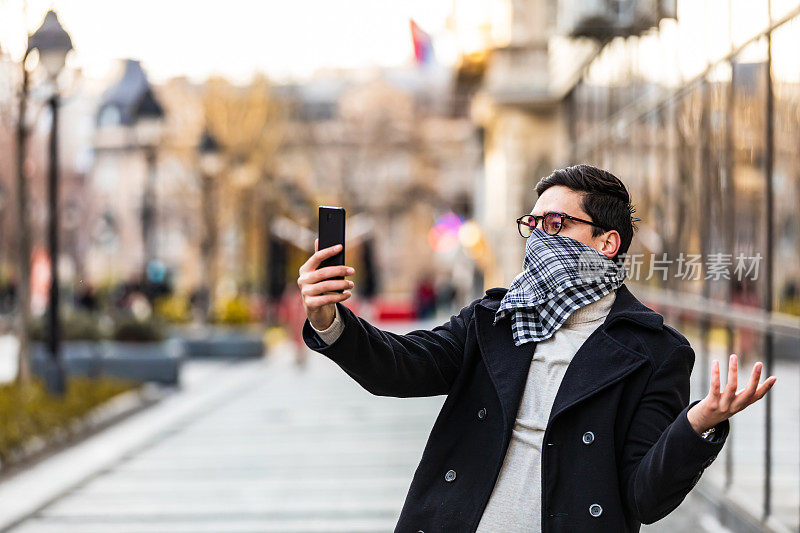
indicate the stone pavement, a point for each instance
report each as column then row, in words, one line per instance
column 257, row 446
column 266, row 447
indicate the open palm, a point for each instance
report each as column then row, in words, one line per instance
column 720, row 405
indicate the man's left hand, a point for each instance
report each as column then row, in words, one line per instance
column 718, row 406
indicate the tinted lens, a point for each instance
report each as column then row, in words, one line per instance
column 552, row 223
column 524, row 228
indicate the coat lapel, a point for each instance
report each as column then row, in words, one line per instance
column 506, row 362
column 605, row 358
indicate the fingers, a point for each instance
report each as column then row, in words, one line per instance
column 316, row 245
column 318, row 301
column 751, row 394
column 715, row 379
column 764, row 388
column 322, row 287
column 730, row 387
column 744, row 398
column 321, row 274
column 320, row 255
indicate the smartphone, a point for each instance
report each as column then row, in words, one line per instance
column 331, row 232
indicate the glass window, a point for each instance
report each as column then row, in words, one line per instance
column 687, row 184
column 749, row 158
column 718, row 207
column 786, row 170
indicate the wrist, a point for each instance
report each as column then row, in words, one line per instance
column 696, row 420
column 322, row 321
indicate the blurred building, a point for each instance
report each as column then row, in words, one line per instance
column 528, row 63
column 388, row 146
column 565, row 82
column 120, row 169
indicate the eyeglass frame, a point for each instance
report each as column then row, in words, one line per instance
column 536, row 219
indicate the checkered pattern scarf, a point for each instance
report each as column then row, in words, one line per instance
column 559, row 275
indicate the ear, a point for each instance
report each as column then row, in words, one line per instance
column 610, row 242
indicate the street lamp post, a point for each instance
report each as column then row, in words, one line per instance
column 210, row 166
column 53, row 44
column 149, row 126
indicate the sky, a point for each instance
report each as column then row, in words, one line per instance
column 287, row 39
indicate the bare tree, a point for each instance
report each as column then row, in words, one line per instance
column 248, row 123
column 23, row 229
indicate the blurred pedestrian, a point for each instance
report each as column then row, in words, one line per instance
column 425, row 298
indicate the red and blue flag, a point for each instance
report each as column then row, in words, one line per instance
column 423, row 45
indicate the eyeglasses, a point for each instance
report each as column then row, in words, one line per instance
column 552, row 222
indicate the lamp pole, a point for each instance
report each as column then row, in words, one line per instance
column 149, row 128
column 149, row 210
column 53, row 44
column 210, row 166
column 53, row 324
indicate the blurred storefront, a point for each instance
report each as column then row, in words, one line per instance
column 388, row 145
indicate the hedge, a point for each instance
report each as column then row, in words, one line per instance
column 28, row 411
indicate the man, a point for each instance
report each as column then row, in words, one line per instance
column 567, row 404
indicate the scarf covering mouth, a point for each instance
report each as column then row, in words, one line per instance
column 559, row 275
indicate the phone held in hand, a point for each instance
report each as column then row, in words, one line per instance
column 331, row 232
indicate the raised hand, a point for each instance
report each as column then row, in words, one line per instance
column 721, row 405
column 315, row 286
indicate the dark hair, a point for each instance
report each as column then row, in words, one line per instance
column 606, row 199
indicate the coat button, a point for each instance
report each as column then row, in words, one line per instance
column 482, row 414
column 588, row 437
column 595, row 510
column 450, row 475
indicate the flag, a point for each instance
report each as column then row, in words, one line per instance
column 423, row 46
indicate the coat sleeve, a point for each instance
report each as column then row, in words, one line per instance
column 663, row 456
column 419, row 363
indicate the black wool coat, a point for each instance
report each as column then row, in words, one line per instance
column 618, row 450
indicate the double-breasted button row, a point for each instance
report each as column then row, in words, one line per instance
column 450, row 475
column 595, row 509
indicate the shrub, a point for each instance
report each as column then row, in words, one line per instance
column 233, row 311
column 133, row 330
column 28, row 411
column 75, row 326
column 175, row 308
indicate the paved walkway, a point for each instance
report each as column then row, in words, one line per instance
column 268, row 447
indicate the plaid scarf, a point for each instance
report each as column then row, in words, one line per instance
column 559, row 275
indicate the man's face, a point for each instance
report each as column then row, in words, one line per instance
column 564, row 200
